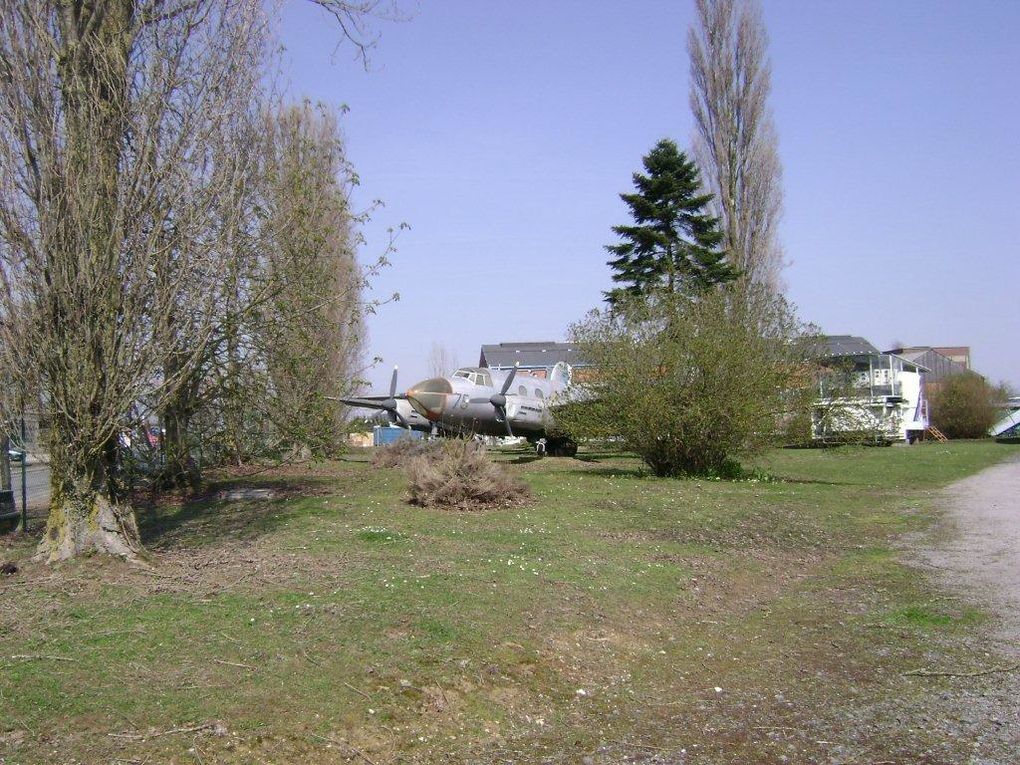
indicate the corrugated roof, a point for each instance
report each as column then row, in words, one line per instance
column 909, row 355
column 931, row 361
column 531, row 354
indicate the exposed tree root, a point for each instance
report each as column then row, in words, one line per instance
column 96, row 526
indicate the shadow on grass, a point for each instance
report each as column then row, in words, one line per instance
column 236, row 509
column 612, row 472
column 523, row 459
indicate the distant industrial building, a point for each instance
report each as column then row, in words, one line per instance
column 940, row 363
column 958, row 353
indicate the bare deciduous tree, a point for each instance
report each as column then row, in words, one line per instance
column 126, row 236
column 735, row 144
column 442, row 360
column 313, row 327
column 288, row 330
column 109, row 112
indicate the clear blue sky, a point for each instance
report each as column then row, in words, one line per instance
column 503, row 133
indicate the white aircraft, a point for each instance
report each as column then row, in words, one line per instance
column 476, row 400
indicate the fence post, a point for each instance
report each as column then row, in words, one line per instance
column 24, row 478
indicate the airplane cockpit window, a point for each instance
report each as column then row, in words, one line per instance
column 475, row 375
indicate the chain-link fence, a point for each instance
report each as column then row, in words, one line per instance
column 24, row 474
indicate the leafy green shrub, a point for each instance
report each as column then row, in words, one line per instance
column 460, row 475
column 963, row 406
column 691, row 383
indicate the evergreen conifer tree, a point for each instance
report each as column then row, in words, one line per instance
column 673, row 243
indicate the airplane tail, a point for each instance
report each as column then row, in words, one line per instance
column 561, row 374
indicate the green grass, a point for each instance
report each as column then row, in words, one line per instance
column 336, row 619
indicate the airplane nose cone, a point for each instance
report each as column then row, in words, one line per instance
column 429, row 397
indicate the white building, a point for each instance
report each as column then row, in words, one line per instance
column 867, row 394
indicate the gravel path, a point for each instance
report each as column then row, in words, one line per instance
column 980, row 551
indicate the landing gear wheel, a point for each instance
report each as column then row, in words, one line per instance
column 561, row 447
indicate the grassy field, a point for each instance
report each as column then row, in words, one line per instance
column 619, row 617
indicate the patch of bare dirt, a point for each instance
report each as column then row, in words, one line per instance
column 976, row 549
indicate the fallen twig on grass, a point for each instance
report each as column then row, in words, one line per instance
column 357, row 690
column 235, row 664
column 939, row 673
column 12, row 585
column 38, row 657
column 167, row 732
column 313, row 661
column 775, row 727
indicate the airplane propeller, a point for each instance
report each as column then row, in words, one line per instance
column 498, row 400
column 390, row 404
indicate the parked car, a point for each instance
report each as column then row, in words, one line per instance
column 16, row 455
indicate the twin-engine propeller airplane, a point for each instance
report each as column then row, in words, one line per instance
column 480, row 401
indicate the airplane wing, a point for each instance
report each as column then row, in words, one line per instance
column 365, row 402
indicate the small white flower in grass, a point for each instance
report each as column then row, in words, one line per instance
column 718, row 689
column 581, row 692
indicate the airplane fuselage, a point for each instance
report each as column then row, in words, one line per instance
column 479, row 401
column 461, row 403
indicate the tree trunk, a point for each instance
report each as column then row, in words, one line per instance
column 82, row 522
column 179, row 469
column 86, row 298
column 85, row 515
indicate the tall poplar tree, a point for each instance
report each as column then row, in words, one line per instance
column 673, row 243
column 735, row 142
column 112, row 197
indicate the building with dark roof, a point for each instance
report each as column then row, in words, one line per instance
column 837, row 346
column 536, row 358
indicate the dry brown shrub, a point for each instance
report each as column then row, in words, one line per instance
column 459, row 475
column 402, row 451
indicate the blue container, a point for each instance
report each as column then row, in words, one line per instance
column 382, row 435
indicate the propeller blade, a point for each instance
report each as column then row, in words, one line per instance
column 509, row 379
column 393, row 383
column 498, row 400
